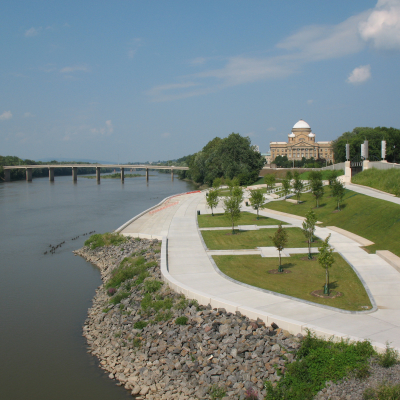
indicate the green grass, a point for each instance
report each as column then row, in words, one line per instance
column 221, row 220
column 305, row 277
column 224, row 240
column 105, row 239
column 325, row 174
column 386, row 180
column 319, row 361
column 374, row 219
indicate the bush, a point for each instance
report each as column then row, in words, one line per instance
column 105, row 239
column 163, row 316
column 118, row 297
column 389, row 358
column 129, row 268
column 111, row 291
column 152, row 286
column 181, row 321
column 317, row 362
column 216, row 392
column 382, row 392
column 140, row 324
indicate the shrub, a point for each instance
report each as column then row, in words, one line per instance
column 382, row 392
column 165, row 304
column 251, row 394
column 142, row 276
column 118, row 297
column 136, row 342
column 129, row 268
column 152, row 286
column 163, row 316
column 389, row 358
column 105, row 239
column 146, row 302
column 181, row 321
column 140, row 324
column 111, row 291
column 216, row 392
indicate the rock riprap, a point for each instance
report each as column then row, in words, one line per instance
column 160, row 345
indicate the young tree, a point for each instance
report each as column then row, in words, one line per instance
column 317, row 189
column 289, row 175
column 326, row 261
column 232, row 205
column 297, row 185
column 269, row 180
column 217, row 183
column 280, row 239
column 309, row 229
column 338, row 191
column 286, row 187
column 212, row 199
column 256, row 200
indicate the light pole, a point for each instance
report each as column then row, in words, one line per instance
column 394, row 154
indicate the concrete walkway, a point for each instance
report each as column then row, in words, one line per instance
column 191, row 271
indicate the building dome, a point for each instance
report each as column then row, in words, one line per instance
column 291, row 135
column 301, row 125
column 311, row 134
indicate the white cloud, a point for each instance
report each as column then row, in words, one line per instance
column 198, row 61
column 6, row 115
column 82, row 68
column 109, row 127
column 382, row 28
column 165, row 135
column 271, row 129
column 29, row 115
column 309, row 102
column 33, row 31
column 360, row 74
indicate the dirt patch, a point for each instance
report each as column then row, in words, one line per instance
column 308, row 259
column 320, row 293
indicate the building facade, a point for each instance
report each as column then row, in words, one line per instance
column 301, row 143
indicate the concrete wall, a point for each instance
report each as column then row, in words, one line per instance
column 382, row 165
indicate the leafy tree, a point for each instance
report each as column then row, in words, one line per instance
column 317, row 187
column 338, row 191
column 326, row 260
column 280, row 239
column 309, row 229
column 269, row 180
column 232, row 205
column 217, row 183
column 289, row 175
column 212, row 199
column 286, row 187
column 297, row 186
column 256, row 200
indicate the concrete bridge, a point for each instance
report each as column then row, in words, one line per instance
column 74, row 167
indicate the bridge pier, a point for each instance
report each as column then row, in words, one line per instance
column 147, row 174
column 74, row 174
column 51, row 174
column 172, row 174
column 122, row 175
column 98, row 174
column 28, row 174
column 7, row 176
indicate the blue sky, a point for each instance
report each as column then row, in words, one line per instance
column 149, row 80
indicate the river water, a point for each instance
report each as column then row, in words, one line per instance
column 44, row 298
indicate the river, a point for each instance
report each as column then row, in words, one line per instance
column 44, row 297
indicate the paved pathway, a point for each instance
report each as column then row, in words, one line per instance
column 192, row 269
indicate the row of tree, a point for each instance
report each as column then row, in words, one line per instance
column 284, row 162
column 230, row 157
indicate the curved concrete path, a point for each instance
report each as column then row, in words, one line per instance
column 190, row 270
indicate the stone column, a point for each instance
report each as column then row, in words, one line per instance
column 7, row 176
column 74, row 174
column 29, row 174
column 122, row 175
column 347, row 172
column 172, row 174
column 98, row 174
column 365, row 164
column 51, row 174
column 147, row 174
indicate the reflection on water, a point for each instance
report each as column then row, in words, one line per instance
column 44, row 298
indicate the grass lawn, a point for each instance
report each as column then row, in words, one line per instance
column 374, row 219
column 325, row 174
column 305, row 277
column 386, row 180
column 221, row 220
column 224, row 240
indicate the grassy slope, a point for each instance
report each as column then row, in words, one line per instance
column 221, row 220
column 386, row 180
column 374, row 219
column 325, row 174
column 305, row 277
column 224, row 240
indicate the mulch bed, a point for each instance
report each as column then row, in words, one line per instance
column 320, row 293
column 275, row 271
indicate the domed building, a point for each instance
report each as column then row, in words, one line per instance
column 301, row 143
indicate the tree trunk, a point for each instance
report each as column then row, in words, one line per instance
column 309, row 249
column 257, row 213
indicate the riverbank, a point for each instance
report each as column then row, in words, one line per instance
column 160, row 345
